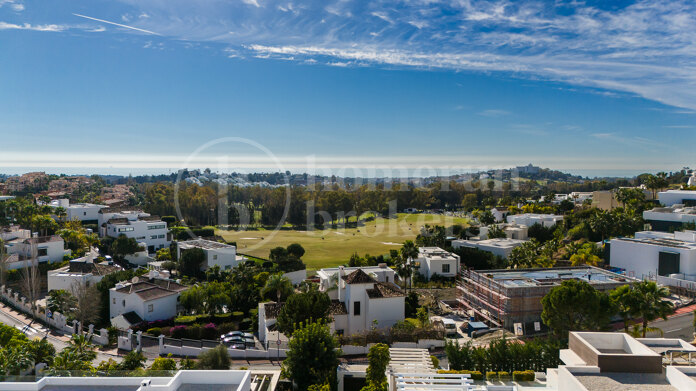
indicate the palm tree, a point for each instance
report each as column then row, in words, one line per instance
column 277, row 286
column 650, row 303
column 624, row 301
column 82, row 347
column 409, row 251
column 68, row 360
column 13, row 360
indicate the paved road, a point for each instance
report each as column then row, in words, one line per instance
column 37, row 330
column 678, row 326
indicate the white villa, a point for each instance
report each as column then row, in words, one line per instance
column 529, row 219
column 434, row 260
column 672, row 197
column 670, row 218
column 669, row 257
column 498, row 246
column 512, row 231
column 216, row 253
column 184, row 380
column 361, row 298
column 47, row 249
column 361, row 301
column 143, row 299
column 84, row 212
column 144, row 228
column 82, row 271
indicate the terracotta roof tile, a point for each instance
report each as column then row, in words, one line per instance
column 359, row 277
column 383, row 289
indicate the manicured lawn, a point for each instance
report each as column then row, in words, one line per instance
column 334, row 246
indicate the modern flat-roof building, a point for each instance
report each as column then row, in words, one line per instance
column 140, row 226
column 652, row 254
column 670, row 218
column 189, row 380
column 84, row 212
column 671, row 197
column 529, row 219
column 509, row 296
column 436, row 261
column 82, row 271
column 597, row 361
column 216, row 253
column 45, row 249
column 498, row 246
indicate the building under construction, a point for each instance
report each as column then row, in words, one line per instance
column 508, row 296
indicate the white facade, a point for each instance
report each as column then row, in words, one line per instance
column 233, row 380
column 641, row 256
column 49, row 249
column 434, row 260
column 221, row 254
column 79, row 211
column 499, row 214
column 671, row 197
column 499, row 246
column 529, row 219
column 150, row 298
column 79, row 272
column 512, row 231
column 673, row 216
column 140, row 226
column 329, row 277
column 14, row 232
column 366, row 297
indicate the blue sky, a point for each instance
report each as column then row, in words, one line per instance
column 588, row 87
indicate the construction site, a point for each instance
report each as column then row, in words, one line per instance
column 506, row 297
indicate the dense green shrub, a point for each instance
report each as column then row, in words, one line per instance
column 504, row 376
column 491, row 376
column 245, row 324
column 523, row 375
column 156, row 331
column 185, row 319
column 237, row 315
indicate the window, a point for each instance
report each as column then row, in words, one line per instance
column 215, row 256
column 160, row 237
column 158, row 226
column 387, row 278
column 42, row 252
column 356, row 308
column 126, row 229
column 445, row 268
column 153, row 237
column 84, row 213
column 124, row 303
column 113, row 301
column 150, row 308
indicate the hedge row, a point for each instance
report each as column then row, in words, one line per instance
column 517, row 376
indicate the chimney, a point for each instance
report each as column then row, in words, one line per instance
column 382, row 265
column 339, row 283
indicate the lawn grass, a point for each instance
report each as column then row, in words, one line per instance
column 333, row 247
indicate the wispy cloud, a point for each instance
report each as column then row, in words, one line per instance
column 494, row 113
column 35, row 27
column 643, row 47
column 633, row 141
column 117, row 24
column 15, row 5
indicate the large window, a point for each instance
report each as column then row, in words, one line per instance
column 158, row 226
column 445, row 268
column 126, row 229
column 668, row 263
column 356, row 308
